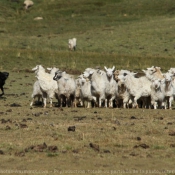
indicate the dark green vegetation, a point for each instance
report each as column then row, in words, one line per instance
column 131, row 35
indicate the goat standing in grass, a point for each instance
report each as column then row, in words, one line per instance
column 66, row 87
column 48, row 86
column 72, row 43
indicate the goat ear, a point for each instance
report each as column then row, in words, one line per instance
column 157, row 68
column 91, row 72
column 35, row 68
column 49, row 68
column 105, row 68
column 113, row 68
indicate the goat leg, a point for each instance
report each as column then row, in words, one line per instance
column 2, row 89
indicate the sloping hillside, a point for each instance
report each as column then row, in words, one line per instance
column 131, row 34
column 82, row 15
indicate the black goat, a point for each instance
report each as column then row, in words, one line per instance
column 3, row 77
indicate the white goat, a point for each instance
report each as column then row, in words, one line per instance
column 153, row 72
column 66, row 87
column 111, row 90
column 85, row 91
column 123, row 93
column 36, row 89
column 48, row 86
column 78, row 93
column 137, row 87
column 169, row 90
column 72, row 43
column 98, row 82
column 157, row 93
column 36, row 92
column 52, row 71
column 172, row 70
column 28, row 3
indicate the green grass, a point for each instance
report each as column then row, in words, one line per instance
column 131, row 35
column 128, row 34
column 158, row 147
column 52, row 154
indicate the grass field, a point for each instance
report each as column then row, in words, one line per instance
column 105, row 141
column 131, row 35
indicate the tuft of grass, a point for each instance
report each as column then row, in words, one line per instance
column 68, row 148
column 50, row 154
column 157, row 147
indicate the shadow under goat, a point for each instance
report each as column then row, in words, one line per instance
column 3, row 77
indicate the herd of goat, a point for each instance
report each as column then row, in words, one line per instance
column 105, row 88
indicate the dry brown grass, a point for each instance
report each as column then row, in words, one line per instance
column 122, row 139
